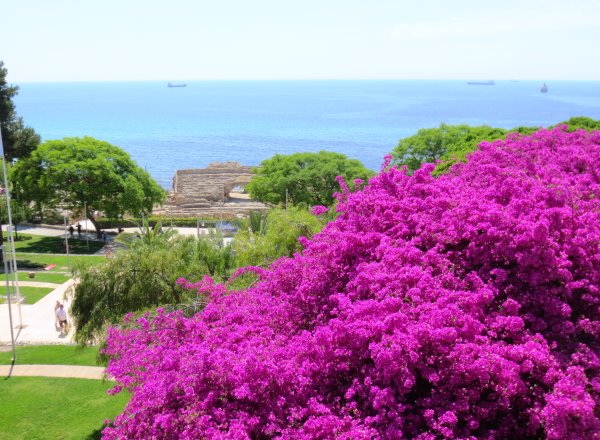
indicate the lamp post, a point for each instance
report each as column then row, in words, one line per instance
column 66, row 239
column 11, row 245
column 9, row 301
column 87, row 236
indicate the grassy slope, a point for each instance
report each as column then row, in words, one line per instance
column 52, row 355
column 40, row 277
column 54, row 245
column 53, row 408
column 41, row 260
column 31, row 294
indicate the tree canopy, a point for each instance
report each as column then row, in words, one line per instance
column 449, row 144
column 581, row 122
column 18, row 139
column 144, row 275
column 74, row 171
column 446, row 143
column 272, row 235
column 308, row 178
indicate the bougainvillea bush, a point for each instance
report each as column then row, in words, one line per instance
column 465, row 306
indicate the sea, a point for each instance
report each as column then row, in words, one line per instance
column 165, row 129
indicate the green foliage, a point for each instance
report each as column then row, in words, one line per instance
column 309, row 178
column 581, row 122
column 149, row 237
column 144, row 276
column 274, row 235
column 257, row 222
column 56, row 408
column 450, row 144
column 447, row 143
column 20, row 212
column 461, row 149
column 18, row 140
column 216, row 257
column 74, row 171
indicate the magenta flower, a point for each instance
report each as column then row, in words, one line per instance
column 319, row 210
column 465, row 306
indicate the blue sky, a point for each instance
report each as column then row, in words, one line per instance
column 70, row 40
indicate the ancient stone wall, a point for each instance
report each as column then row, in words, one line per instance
column 207, row 191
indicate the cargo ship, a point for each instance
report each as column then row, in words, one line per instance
column 481, row 83
column 176, row 85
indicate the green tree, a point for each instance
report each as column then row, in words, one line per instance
column 584, row 122
column 143, row 276
column 20, row 212
column 307, row 178
column 75, row 171
column 447, row 144
column 18, row 140
column 430, row 145
column 259, row 243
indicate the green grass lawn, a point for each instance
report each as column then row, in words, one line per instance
column 54, row 245
column 52, row 355
column 31, row 294
column 40, row 260
column 40, row 277
column 56, row 408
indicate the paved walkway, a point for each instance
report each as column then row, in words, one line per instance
column 35, row 323
column 59, row 231
column 76, row 371
column 37, row 284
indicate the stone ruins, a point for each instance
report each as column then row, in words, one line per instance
column 215, row 191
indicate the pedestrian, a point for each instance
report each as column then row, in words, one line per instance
column 71, row 230
column 104, row 237
column 62, row 318
column 56, row 307
column 79, row 230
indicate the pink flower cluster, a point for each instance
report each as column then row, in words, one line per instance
column 320, row 209
column 465, row 306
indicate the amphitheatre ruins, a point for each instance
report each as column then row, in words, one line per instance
column 214, row 191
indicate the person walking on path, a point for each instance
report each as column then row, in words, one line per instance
column 71, row 230
column 56, row 321
column 79, row 230
column 62, row 318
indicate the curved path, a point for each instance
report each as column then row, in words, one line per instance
column 71, row 371
column 38, row 284
column 38, row 320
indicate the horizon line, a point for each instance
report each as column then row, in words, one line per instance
column 68, row 81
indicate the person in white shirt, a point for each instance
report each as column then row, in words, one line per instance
column 61, row 313
column 56, row 321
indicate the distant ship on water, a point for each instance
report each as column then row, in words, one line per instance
column 544, row 88
column 176, row 85
column 481, row 83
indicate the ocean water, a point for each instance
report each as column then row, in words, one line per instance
column 165, row 129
